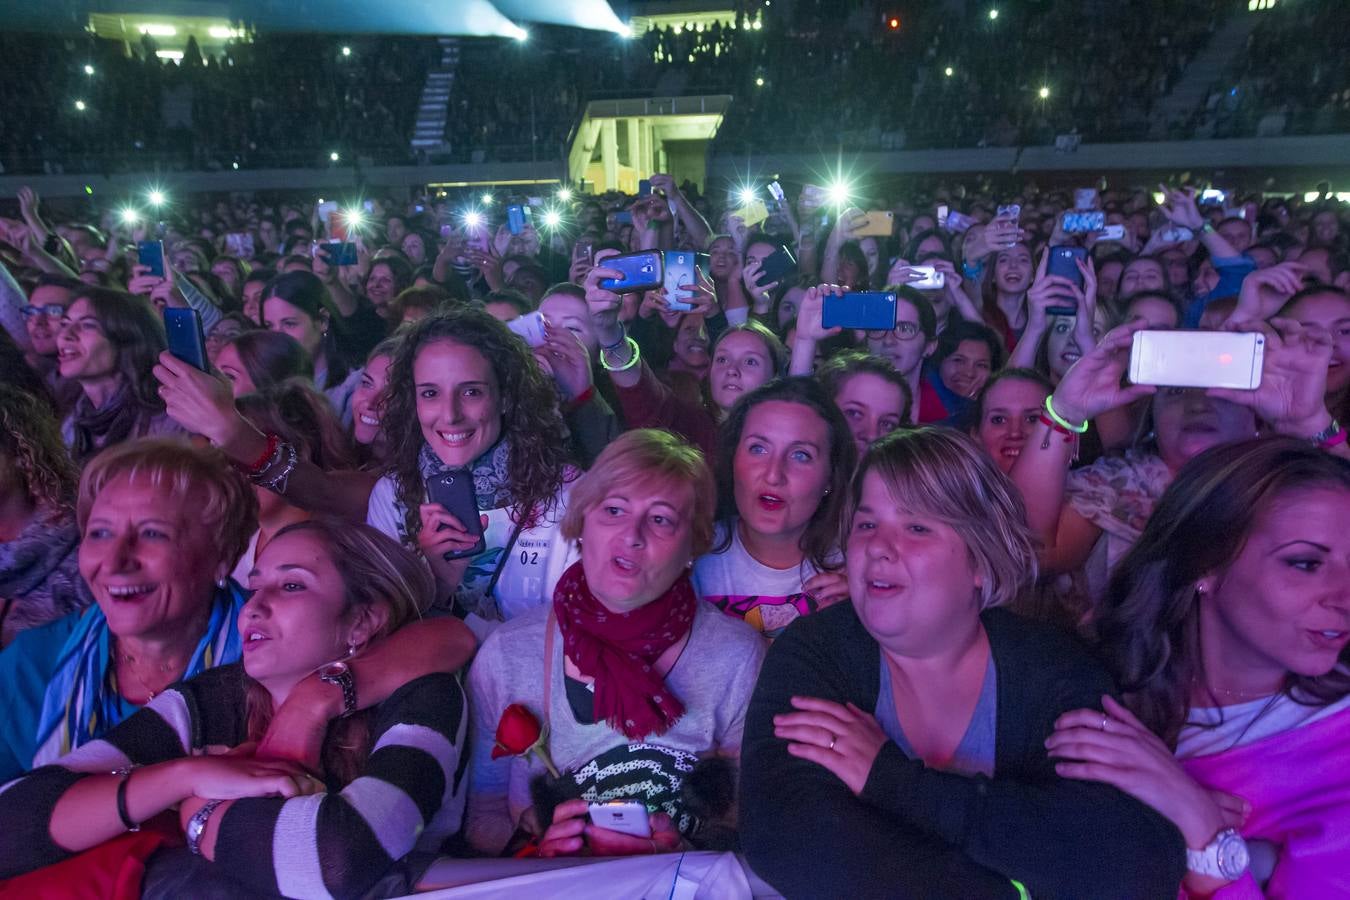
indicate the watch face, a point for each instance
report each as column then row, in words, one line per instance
column 1232, row 856
column 333, row 670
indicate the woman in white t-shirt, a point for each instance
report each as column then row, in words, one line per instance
column 465, row 395
column 782, row 472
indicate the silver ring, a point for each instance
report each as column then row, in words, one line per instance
column 1104, row 720
column 833, row 738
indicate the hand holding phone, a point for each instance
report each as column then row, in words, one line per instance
column 624, row 816
column 1201, row 359
column 530, row 327
column 453, row 507
column 642, row 271
column 863, row 310
column 183, row 330
column 151, row 255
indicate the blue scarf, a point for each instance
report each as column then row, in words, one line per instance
column 81, row 705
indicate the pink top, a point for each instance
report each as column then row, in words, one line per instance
column 1298, row 785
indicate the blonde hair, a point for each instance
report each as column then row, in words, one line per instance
column 222, row 502
column 646, row 456
column 943, row 473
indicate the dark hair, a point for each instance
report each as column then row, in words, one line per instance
column 270, row 357
column 568, row 289
column 778, row 354
column 399, row 268
column 912, row 248
column 1148, row 623
column 16, row 373
column 30, row 439
column 264, row 275
column 531, row 422
column 841, row 367
column 958, row 332
column 927, row 315
column 307, row 293
column 136, row 332
column 819, row 542
column 1315, row 290
column 976, row 411
column 430, row 298
column 511, row 296
column 301, row 416
column 850, row 251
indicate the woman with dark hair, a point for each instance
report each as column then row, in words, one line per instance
column 967, row 354
column 419, row 248
column 39, row 566
column 230, row 326
column 1005, row 412
column 327, row 597
column 109, row 342
column 416, row 303
column 298, row 304
column 1005, row 293
column 257, row 360
column 252, row 292
column 466, row 395
column 1227, row 625
column 909, row 724
column 388, row 277
column 368, row 404
column 783, row 465
column 872, row 395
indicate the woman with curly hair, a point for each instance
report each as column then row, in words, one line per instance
column 466, row 396
column 39, row 566
column 108, row 343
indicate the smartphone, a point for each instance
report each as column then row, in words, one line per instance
column 183, row 328
column 447, row 232
column 1082, row 222
column 1202, row 359
column 325, row 210
column 517, row 217
column 644, row 188
column 623, row 218
column 1063, row 262
column 240, row 244
column 942, row 216
column 867, row 310
column 583, row 249
column 932, row 280
column 957, row 223
column 1177, row 234
column 753, row 213
column 1212, row 197
column 1084, row 199
column 681, row 272
column 151, row 255
column 337, row 253
column 777, row 266
column 642, row 271
column 530, row 327
column 1013, row 211
column 454, row 491
column 624, row 816
column 776, row 192
column 368, row 206
column 1112, row 233
column 879, row 223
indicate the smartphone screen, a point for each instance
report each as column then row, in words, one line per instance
column 1201, row 359
column 641, row 272
column 183, row 330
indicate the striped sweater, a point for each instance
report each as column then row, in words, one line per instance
column 335, row 844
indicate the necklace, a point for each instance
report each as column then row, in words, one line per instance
column 1241, row 695
column 129, row 662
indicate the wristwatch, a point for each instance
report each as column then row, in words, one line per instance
column 197, row 824
column 1224, row 857
column 340, row 674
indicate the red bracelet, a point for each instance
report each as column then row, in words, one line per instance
column 581, row 399
column 1338, row 438
column 1055, row 426
column 257, row 466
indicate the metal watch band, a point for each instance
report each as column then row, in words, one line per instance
column 197, row 825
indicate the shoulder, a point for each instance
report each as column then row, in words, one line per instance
column 382, row 507
column 726, row 635
column 518, row 636
column 435, row 701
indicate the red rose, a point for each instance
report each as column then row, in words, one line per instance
column 520, row 734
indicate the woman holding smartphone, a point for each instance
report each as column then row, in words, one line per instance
column 467, row 402
column 909, row 725
column 782, row 470
column 298, row 304
column 632, row 677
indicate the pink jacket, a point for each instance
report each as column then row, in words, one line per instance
column 1298, row 785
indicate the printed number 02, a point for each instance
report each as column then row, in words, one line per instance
column 529, row 559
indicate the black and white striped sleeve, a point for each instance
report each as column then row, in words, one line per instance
column 339, row 844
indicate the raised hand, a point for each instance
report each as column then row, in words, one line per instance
column 1092, row 385
column 1291, row 398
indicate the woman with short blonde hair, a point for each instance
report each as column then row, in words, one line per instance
column 910, row 724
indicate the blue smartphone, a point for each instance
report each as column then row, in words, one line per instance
column 454, row 491
column 1084, row 222
column 337, row 253
column 151, row 255
column 623, row 218
column 777, row 266
column 517, row 217
column 183, row 330
column 866, row 310
column 1063, row 262
column 642, row 271
column 644, row 188
column 681, row 272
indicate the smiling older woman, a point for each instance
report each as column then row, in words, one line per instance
column 633, row 675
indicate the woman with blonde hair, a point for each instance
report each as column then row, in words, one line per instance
column 909, row 725
column 634, row 678
column 385, row 780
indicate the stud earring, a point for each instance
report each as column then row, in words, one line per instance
column 351, row 646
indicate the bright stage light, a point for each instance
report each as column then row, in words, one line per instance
column 487, row 199
column 334, row 156
column 564, row 194
column 993, row 14
column 88, row 69
column 79, row 105
column 1043, row 93
column 157, row 198
column 346, row 51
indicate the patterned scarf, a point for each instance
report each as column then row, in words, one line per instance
column 81, row 705
column 620, row 650
column 118, row 419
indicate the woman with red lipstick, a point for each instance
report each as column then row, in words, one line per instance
column 466, row 395
column 1227, row 626
column 633, row 678
column 782, row 470
column 901, row 736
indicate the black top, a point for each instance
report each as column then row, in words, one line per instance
column 920, row 832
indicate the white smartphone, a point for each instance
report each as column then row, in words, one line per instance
column 530, row 327
column 1202, row 359
column 624, row 816
column 932, row 279
column 1177, row 234
column 1112, row 233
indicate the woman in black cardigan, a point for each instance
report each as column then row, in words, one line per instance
column 894, row 746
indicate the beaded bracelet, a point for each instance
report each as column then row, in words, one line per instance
column 1332, row 436
column 277, row 483
column 261, row 462
column 632, row 361
column 1060, row 420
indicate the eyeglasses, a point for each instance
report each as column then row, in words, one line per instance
column 51, row 310
column 905, row 331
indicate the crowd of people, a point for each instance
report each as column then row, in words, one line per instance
column 448, row 543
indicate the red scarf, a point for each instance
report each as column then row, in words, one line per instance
column 619, row 650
